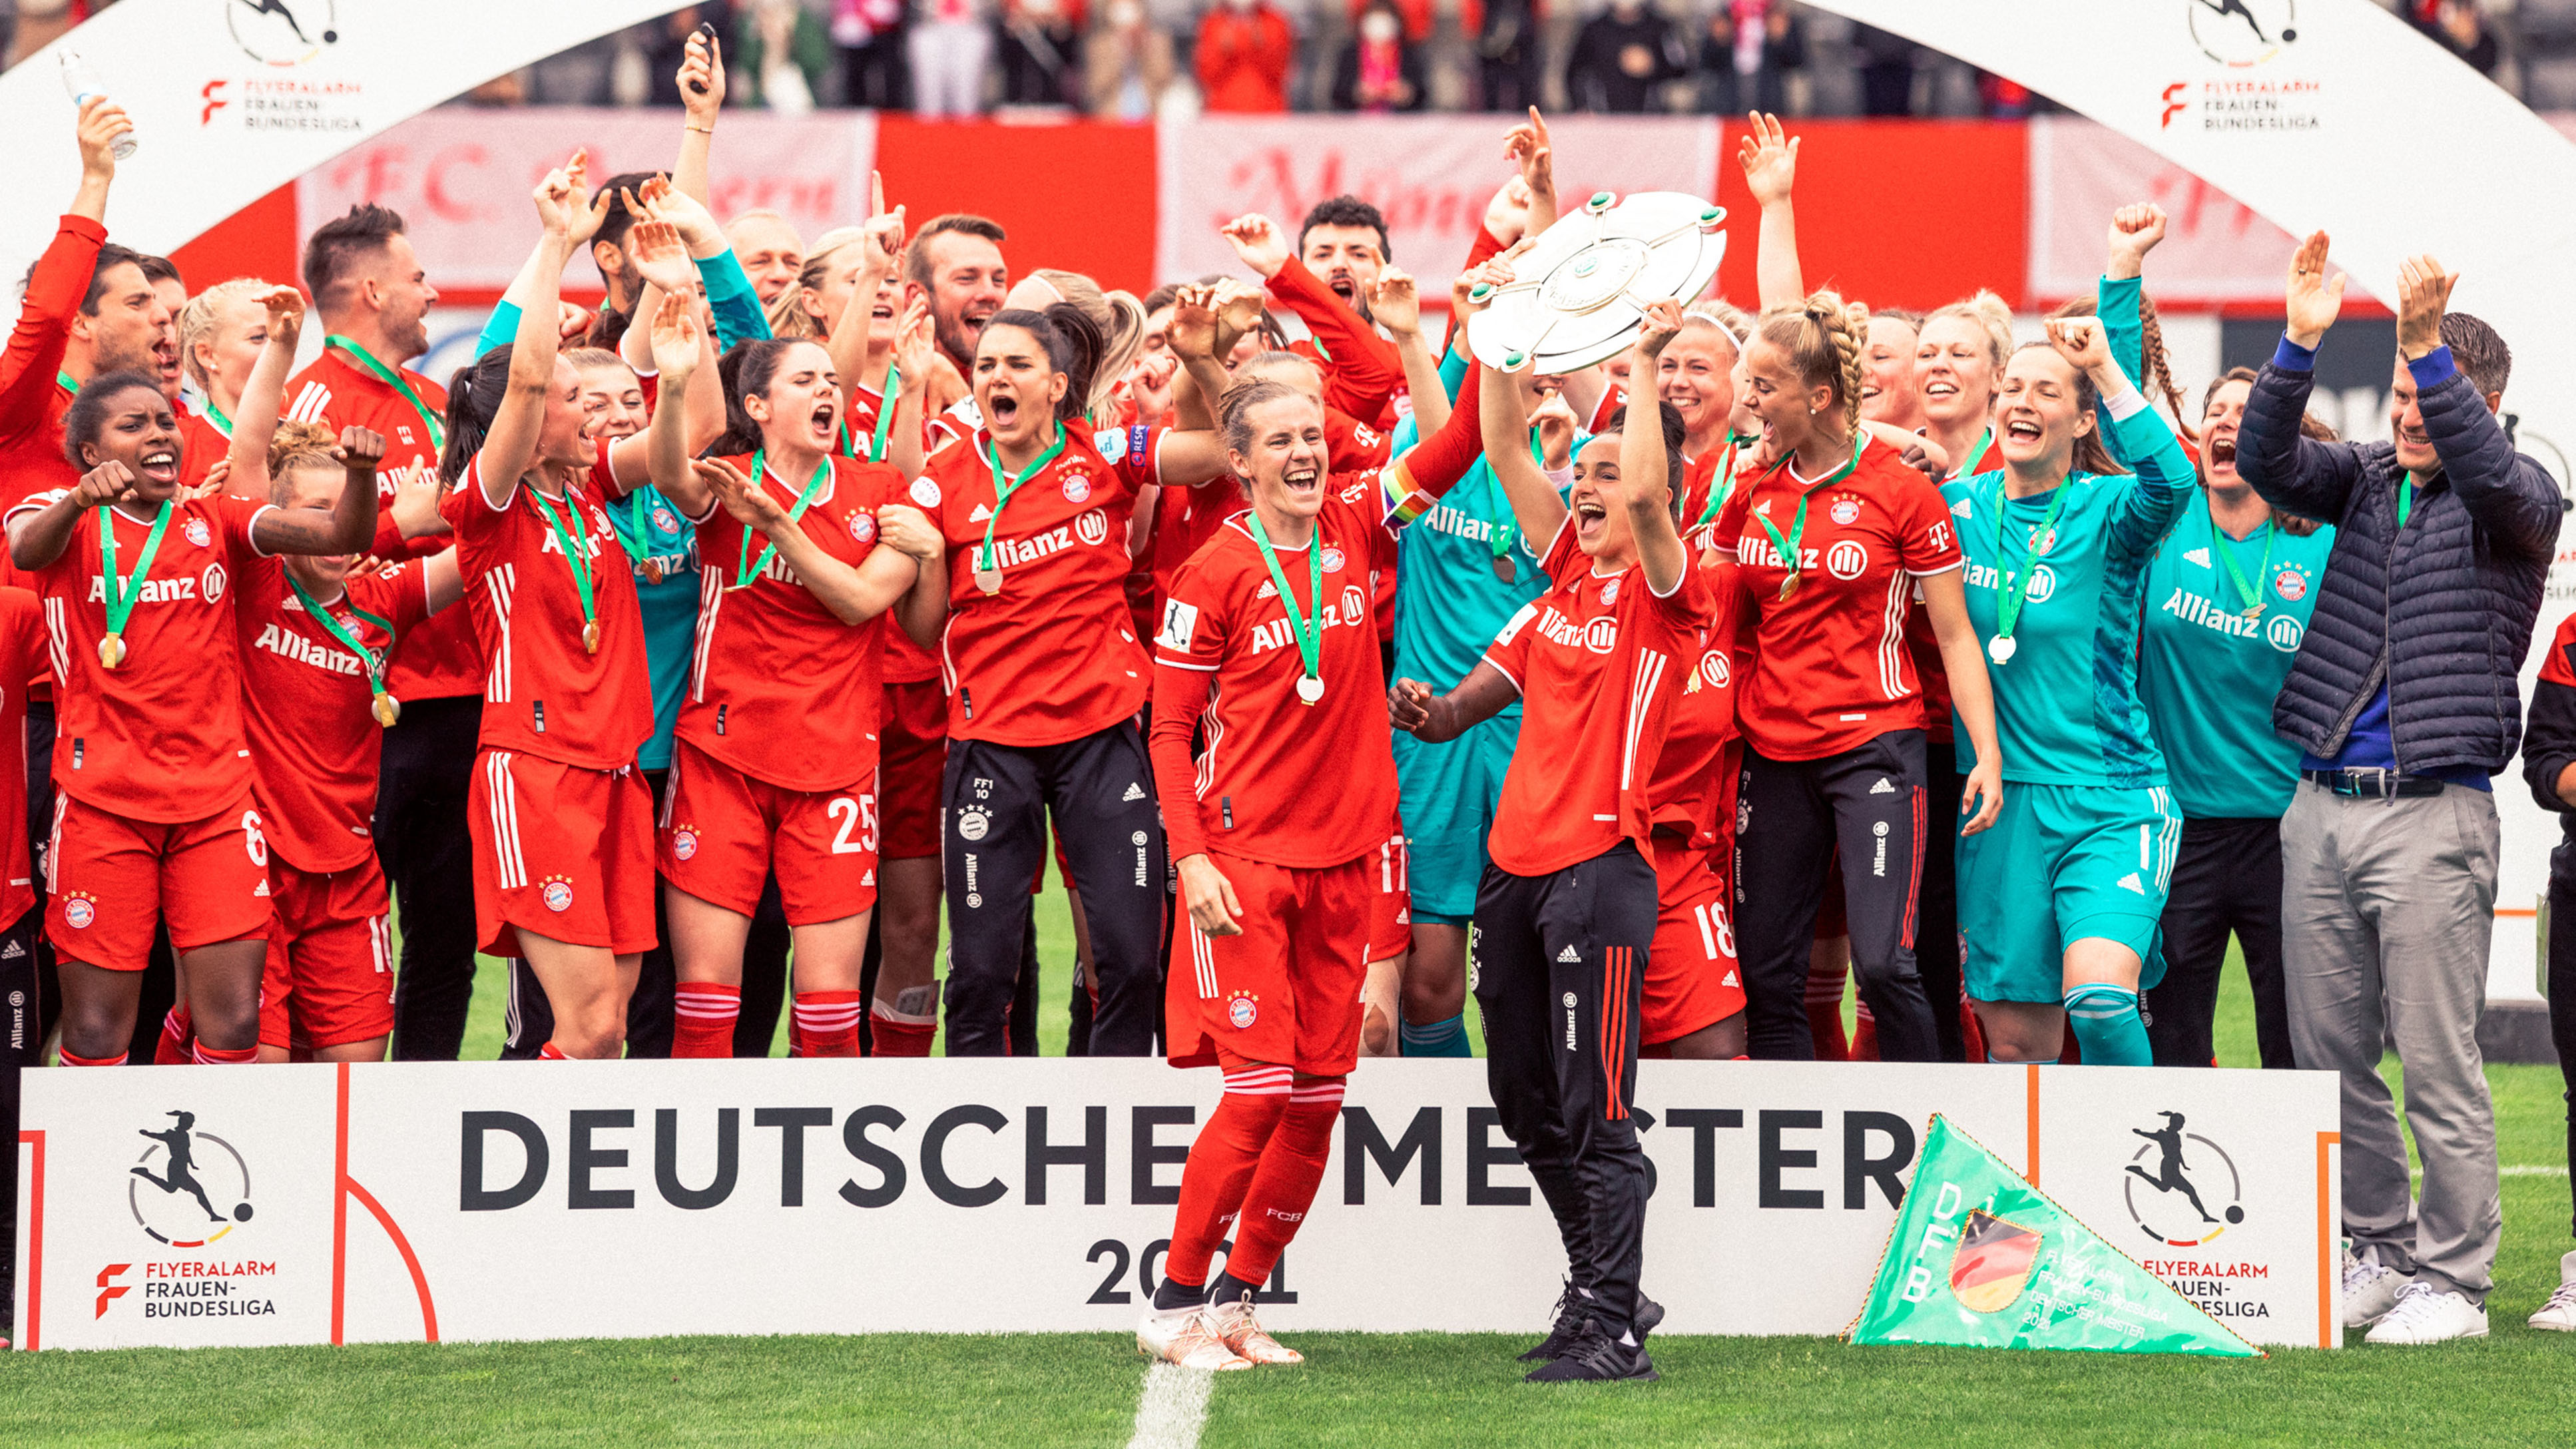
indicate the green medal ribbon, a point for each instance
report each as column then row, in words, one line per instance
column 1722, row 486
column 393, row 378
column 122, row 593
column 2016, row 585
column 2251, row 593
column 64, row 381
column 373, row 660
column 1984, row 440
column 1309, row 628
column 1788, row 547
column 885, row 420
column 577, row 560
column 2405, row 498
column 746, row 574
column 987, row 563
column 215, row 415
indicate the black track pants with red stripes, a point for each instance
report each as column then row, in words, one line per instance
column 1560, row 966
column 1791, row 818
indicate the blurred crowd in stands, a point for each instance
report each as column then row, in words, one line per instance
column 1135, row 59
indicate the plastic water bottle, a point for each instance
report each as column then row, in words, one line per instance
column 81, row 84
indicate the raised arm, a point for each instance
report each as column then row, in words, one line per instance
column 60, row 278
column 1536, row 506
column 2306, row 477
column 2164, row 476
column 350, row 523
column 563, row 207
column 1769, row 157
column 2508, row 495
column 702, row 93
column 676, row 352
column 263, row 398
column 880, row 251
column 36, row 540
column 1399, row 309
column 1529, row 148
column 1645, row 466
column 915, row 352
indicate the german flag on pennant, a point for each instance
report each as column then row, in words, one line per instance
column 1982, row 1259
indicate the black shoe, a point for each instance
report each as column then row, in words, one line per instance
column 1595, row 1357
column 1650, row 1315
column 1572, row 1311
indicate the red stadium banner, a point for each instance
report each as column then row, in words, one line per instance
column 329, row 1204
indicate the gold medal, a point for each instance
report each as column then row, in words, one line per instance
column 1789, row 586
column 1503, row 569
column 652, row 571
column 2254, row 612
column 590, row 636
column 989, row 580
column 386, row 709
column 111, row 649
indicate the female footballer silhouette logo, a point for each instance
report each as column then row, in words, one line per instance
column 165, row 1214
column 2243, row 32
column 2171, row 1178
column 282, row 32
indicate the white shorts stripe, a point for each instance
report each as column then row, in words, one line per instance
column 509, row 867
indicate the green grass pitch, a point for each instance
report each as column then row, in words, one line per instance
column 2517, row 1387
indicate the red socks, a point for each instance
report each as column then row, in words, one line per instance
column 826, row 1023
column 1283, row 1188
column 172, row 1049
column 207, row 1056
column 895, row 1034
column 551, row 1053
column 64, row 1055
column 702, row 1018
column 1221, row 1165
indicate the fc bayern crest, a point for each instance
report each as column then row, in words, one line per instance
column 558, row 895
column 2044, row 542
column 197, row 532
column 862, row 527
column 665, row 520
column 1332, row 560
column 1242, row 1012
column 1077, row 489
column 2291, row 585
column 1846, row 511
column 79, row 912
column 684, row 844
column 1609, row 593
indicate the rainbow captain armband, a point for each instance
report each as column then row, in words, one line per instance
column 1406, row 500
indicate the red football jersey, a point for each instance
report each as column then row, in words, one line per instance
column 32, row 402
column 1053, row 656
column 1833, row 670
column 159, row 737
column 202, row 447
column 779, row 687
column 1598, row 661
column 439, row 660
column 902, row 661
column 1685, row 787
column 315, row 745
column 544, row 694
column 1700, row 477
column 1925, row 645
column 22, row 656
column 1279, row 780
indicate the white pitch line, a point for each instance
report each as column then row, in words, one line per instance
column 1173, row 1407
column 2510, row 1170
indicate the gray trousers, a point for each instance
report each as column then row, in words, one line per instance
column 2386, row 909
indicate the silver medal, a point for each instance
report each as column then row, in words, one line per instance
column 2000, row 648
column 989, row 580
column 1309, row 688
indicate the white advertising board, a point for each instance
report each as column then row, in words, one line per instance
column 324, row 1204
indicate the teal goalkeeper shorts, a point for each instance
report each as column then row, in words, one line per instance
column 2061, row 863
column 1449, row 793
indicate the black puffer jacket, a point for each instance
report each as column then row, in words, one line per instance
column 2443, row 610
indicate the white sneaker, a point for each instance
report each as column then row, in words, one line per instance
column 2424, row 1316
column 2559, row 1313
column 2369, row 1290
column 1187, row 1340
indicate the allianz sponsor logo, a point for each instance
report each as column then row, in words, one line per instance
column 1455, row 521
column 2282, row 631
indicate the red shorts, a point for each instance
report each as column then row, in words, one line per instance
column 912, row 753
column 1286, row 991
column 1692, row 980
column 330, row 974
column 1390, row 900
column 113, row 879
column 722, row 832
column 563, row 850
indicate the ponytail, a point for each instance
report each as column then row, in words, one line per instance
column 1073, row 345
column 746, row 371
column 474, row 395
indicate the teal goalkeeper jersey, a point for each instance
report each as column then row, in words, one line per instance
column 2067, row 710
column 1451, row 598
column 652, row 531
column 2209, row 672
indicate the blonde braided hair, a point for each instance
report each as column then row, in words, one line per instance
column 1827, row 341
